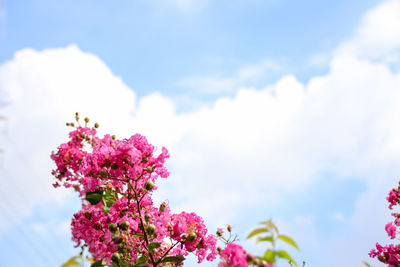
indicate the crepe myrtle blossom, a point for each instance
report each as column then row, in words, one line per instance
column 390, row 254
column 118, row 221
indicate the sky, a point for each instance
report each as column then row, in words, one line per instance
column 269, row 108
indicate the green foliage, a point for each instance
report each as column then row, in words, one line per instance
column 177, row 259
column 366, row 264
column 94, row 197
column 269, row 232
column 98, row 263
column 72, row 262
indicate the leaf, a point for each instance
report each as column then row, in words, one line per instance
column 366, row 264
column 94, row 197
column 256, row 232
column 153, row 246
column 269, row 238
column 269, row 256
column 98, row 263
column 177, row 259
column 271, row 224
column 284, row 255
column 72, row 263
column 141, row 260
column 288, row 240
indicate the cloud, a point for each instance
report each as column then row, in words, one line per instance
column 378, row 36
column 217, row 85
column 42, row 91
column 230, row 157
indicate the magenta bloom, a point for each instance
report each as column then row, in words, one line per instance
column 391, row 230
column 118, row 220
column 233, row 255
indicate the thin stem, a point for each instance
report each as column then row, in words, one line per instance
column 142, row 225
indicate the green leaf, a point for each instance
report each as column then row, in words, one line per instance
column 98, row 263
column 284, row 255
column 366, row 264
column 141, row 260
column 256, row 232
column 72, row 262
column 269, row 256
column 269, row 238
column 153, row 246
column 288, row 240
column 94, row 197
column 177, row 259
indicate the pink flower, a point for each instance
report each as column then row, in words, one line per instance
column 391, row 230
column 233, row 255
column 393, row 198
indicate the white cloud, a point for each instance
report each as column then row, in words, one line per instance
column 378, row 36
column 226, row 84
column 236, row 153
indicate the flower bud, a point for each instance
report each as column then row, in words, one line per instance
column 149, row 185
column 124, row 225
column 163, row 206
column 147, row 217
column 86, row 119
column 150, row 229
column 87, row 214
column 112, row 227
column 96, row 125
column 192, row 237
column 114, row 166
column 115, row 257
column 97, row 226
column 149, row 169
column 116, row 237
column 200, row 245
column 229, row 228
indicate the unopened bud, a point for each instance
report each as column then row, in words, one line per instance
column 96, row 125
column 112, row 227
column 113, row 137
column 116, row 237
column 150, row 229
column 124, row 225
column 97, row 226
column 149, row 185
column 229, row 228
column 149, row 169
column 86, row 119
column 114, row 166
column 87, row 214
column 147, row 217
column 115, row 257
column 163, row 206
column 200, row 245
column 192, row 237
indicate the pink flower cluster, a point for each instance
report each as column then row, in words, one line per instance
column 390, row 254
column 118, row 220
column 235, row 256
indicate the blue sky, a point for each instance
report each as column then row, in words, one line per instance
column 269, row 108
